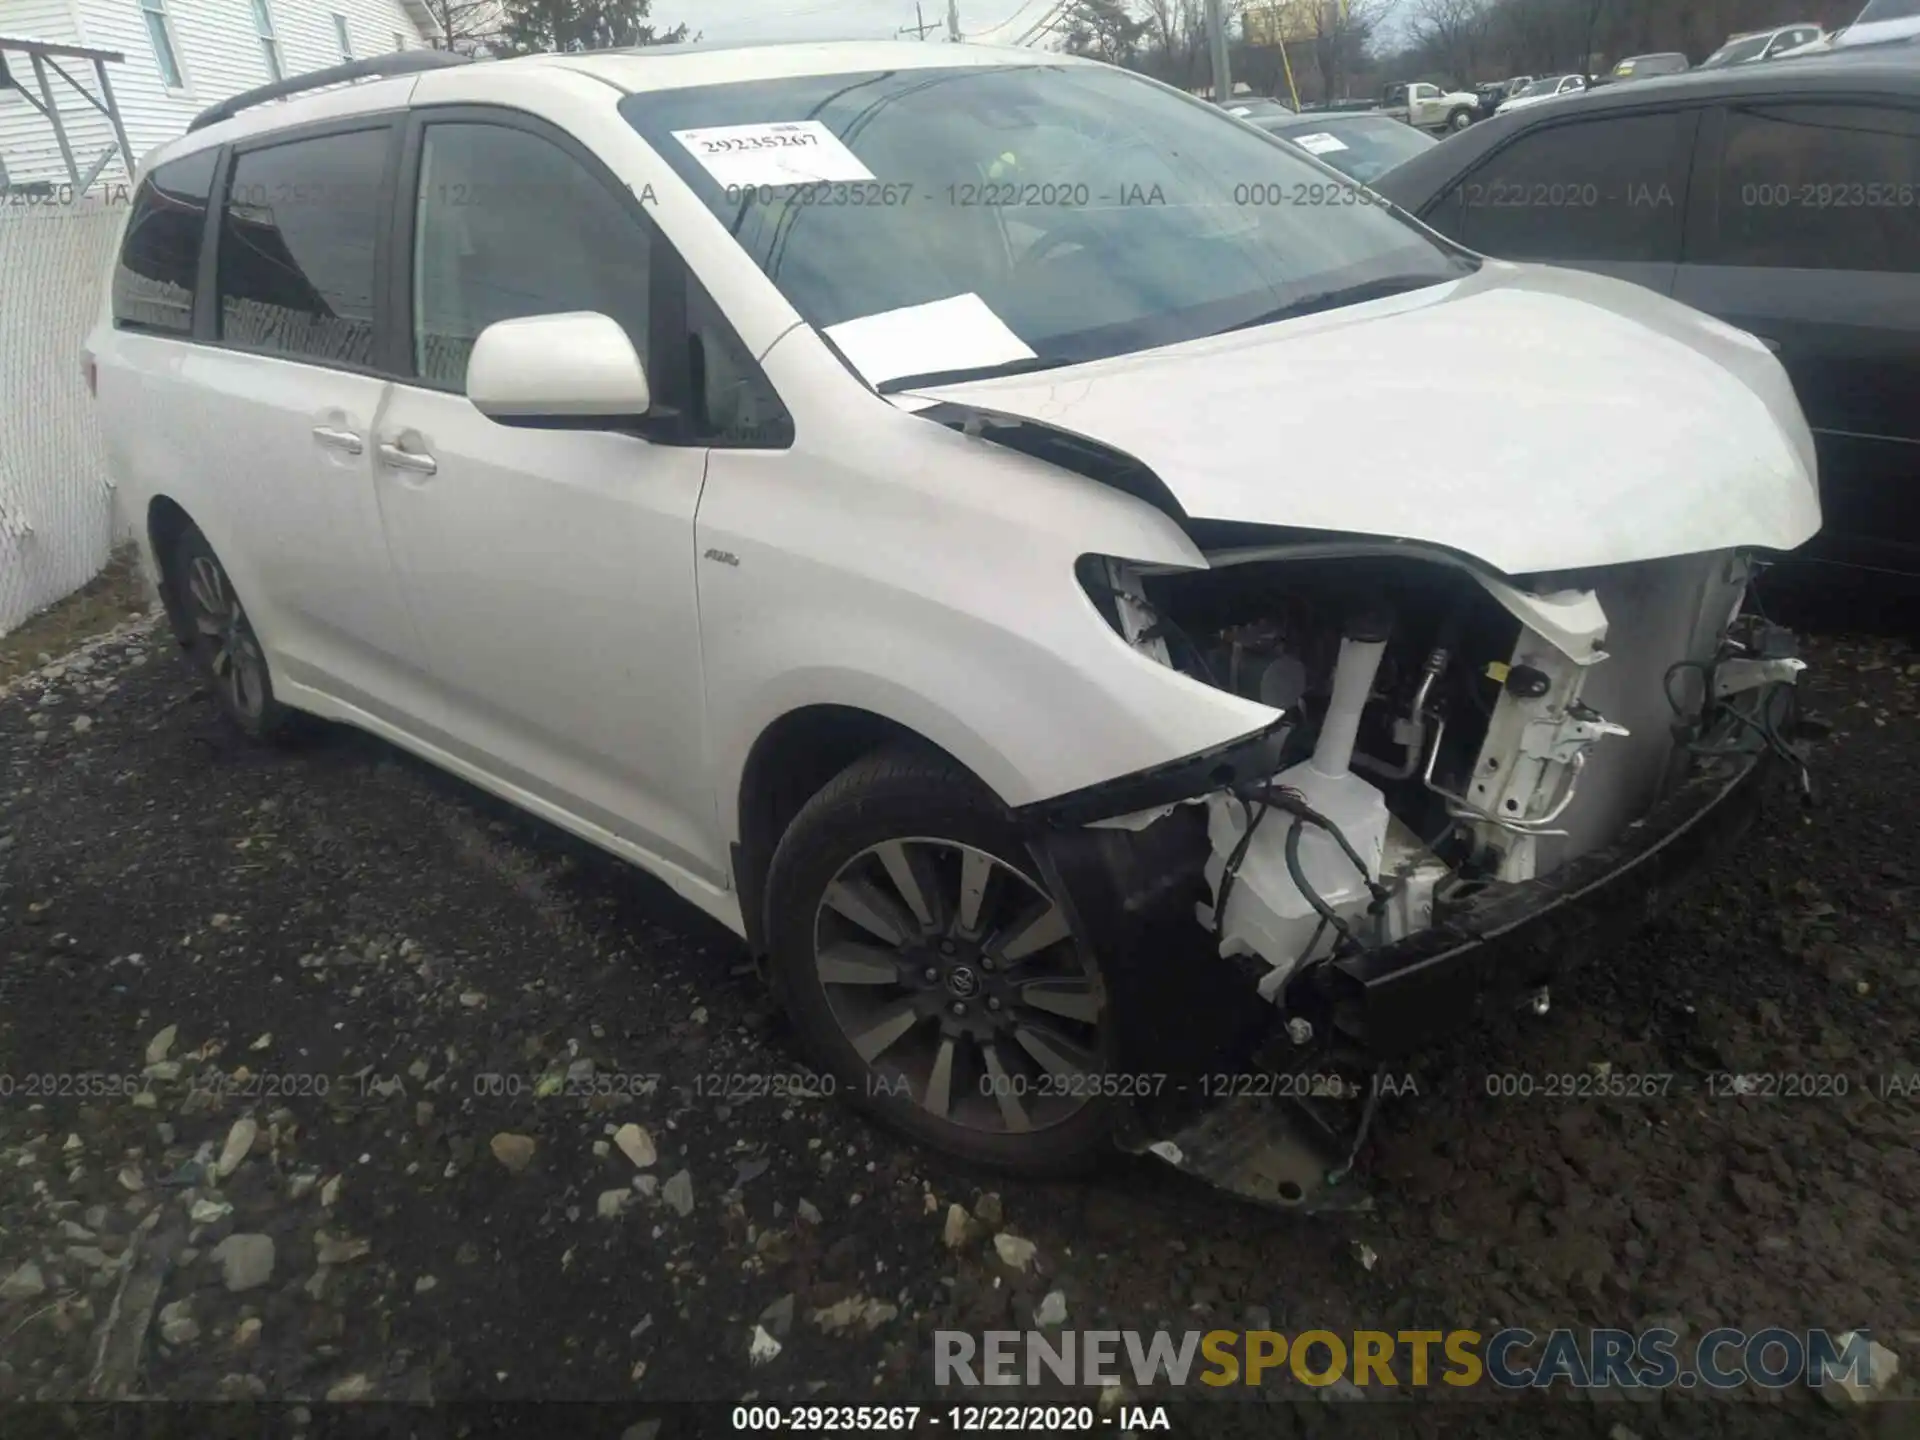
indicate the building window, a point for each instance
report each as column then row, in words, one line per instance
column 340, row 34
column 160, row 32
column 269, row 42
column 399, row 41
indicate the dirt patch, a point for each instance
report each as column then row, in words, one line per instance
column 321, row 1067
column 114, row 596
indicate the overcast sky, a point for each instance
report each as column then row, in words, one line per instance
column 1007, row 20
column 987, row 21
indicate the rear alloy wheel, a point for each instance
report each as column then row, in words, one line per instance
column 931, row 972
column 221, row 640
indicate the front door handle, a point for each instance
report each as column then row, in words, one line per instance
column 338, row 439
column 412, row 460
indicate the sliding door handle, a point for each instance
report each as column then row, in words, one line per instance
column 339, row 439
column 414, row 460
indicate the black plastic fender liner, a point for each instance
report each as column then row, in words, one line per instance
column 1181, row 1012
column 1245, row 759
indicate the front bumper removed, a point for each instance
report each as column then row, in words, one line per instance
column 1192, row 1031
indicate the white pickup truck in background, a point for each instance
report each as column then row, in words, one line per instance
column 1428, row 107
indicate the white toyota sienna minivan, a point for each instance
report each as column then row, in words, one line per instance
column 1109, row 610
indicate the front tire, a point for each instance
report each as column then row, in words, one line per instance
column 926, row 968
column 220, row 641
column 1459, row 120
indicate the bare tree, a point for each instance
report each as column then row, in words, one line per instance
column 1103, row 29
column 466, row 26
column 1340, row 32
column 1454, row 33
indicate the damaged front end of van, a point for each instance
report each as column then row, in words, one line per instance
column 1508, row 717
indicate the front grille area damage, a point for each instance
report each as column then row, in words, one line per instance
column 1440, row 730
column 1446, row 745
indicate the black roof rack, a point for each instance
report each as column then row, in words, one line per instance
column 400, row 62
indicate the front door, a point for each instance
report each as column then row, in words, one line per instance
column 550, row 573
column 1805, row 230
column 1604, row 193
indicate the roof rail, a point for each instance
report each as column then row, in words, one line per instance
column 400, row 62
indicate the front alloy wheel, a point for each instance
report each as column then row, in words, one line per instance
column 955, row 978
column 925, row 965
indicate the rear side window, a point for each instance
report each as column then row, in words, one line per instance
column 1817, row 187
column 153, row 285
column 1591, row 190
column 298, row 235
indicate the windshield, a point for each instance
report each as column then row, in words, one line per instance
column 1736, row 52
column 1364, row 148
column 1052, row 214
column 1538, row 87
column 1878, row 10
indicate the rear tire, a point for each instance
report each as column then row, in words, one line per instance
column 927, row 970
column 221, row 643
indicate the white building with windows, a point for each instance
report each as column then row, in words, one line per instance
column 181, row 57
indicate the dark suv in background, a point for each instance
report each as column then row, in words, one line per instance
column 1782, row 199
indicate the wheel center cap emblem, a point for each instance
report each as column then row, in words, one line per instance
column 962, row 981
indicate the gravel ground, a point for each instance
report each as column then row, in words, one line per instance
column 418, row 1098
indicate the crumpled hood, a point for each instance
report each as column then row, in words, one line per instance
column 1535, row 418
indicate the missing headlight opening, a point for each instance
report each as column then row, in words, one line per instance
column 1443, row 736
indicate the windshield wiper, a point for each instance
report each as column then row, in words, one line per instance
column 1344, row 295
column 971, row 372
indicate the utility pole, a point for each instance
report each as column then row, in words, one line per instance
column 920, row 29
column 1217, row 33
column 953, row 21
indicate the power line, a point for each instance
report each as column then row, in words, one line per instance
column 918, row 31
column 1046, row 22
column 1025, row 6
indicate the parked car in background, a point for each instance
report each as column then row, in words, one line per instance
column 1494, row 92
column 1881, row 22
column 850, row 566
column 1757, row 45
column 1782, row 199
column 1549, row 88
column 1645, row 67
column 1428, row 107
column 1256, row 107
column 1362, row 146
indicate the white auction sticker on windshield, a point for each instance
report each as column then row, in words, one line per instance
column 784, row 152
column 961, row 333
column 1319, row 143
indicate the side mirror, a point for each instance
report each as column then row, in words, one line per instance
column 574, row 371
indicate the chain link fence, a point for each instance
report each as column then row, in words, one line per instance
column 57, row 523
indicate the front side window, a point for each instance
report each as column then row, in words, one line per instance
column 341, row 37
column 155, row 280
column 298, row 236
column 509, row 225
column 166, row 54
column 1818, row 187
column 269, row 41
column 1599, row 190
column 1056, row 213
